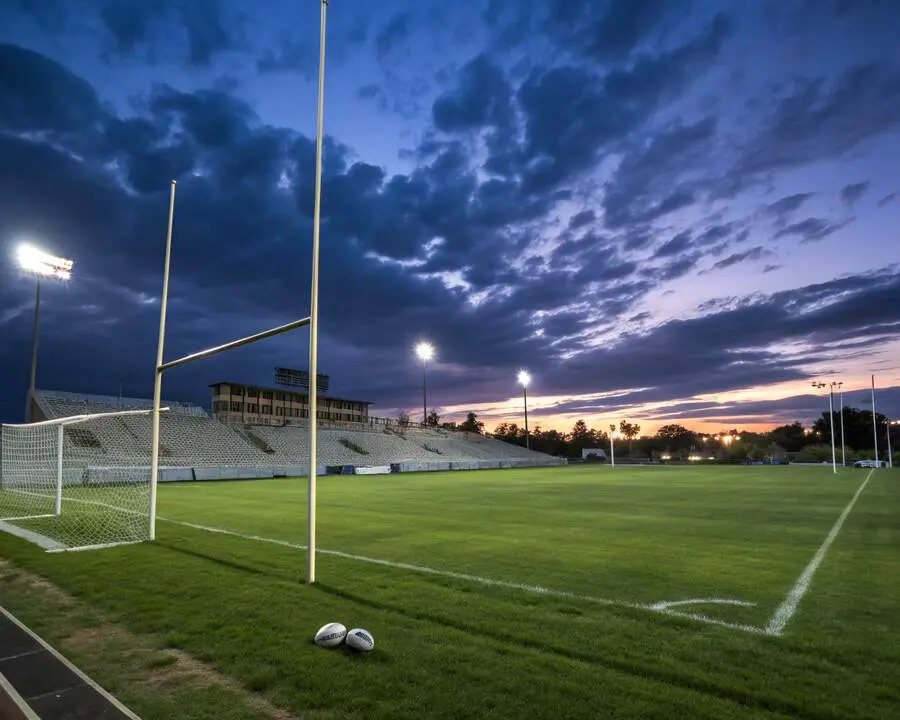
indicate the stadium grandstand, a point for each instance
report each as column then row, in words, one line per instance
column 196, row 445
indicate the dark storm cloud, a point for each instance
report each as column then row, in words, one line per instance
column 599, row 32
column 783, row 208
column 505, row 159
column 579, row 220
column 482, row 98
column 887, row 199
column 393, row 34
column 610, row 31
column 811, row 229
column 818, row 120
column 853, row 192
column 756, row 253
column 570, row 113
column 676, row 246
column 199, row 30
column 207, row 25
column 641, row 188
column 729, row 345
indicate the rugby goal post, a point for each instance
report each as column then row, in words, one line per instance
column 77, row 483
column 161, row 366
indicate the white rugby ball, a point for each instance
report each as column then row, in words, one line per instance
column 360, row 639
column 331, row 635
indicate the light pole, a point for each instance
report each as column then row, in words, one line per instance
column 425, row 352
column 839, row 385
column 41, row 265
column 524, row 378
column 612, row 444
column 821, row 385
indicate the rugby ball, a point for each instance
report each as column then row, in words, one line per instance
column 360, row 639
column 331, row 635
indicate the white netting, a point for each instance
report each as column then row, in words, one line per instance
column 76, row 483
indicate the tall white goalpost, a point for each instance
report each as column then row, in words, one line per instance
column 311, row 321
column 76, row 483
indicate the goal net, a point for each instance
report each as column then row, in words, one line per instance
column 77, row 483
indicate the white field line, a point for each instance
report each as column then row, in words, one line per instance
column 658, row 608
column 786, row 610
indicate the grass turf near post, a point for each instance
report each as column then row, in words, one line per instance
column 451, row 648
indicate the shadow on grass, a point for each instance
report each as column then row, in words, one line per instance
column 652, row 674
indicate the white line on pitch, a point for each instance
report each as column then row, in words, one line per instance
column 659, row 609
column 787, row 608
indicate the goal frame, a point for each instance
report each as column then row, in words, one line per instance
column 312, row 321
column 58, row 481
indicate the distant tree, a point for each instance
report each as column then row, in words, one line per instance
column 450, row 426
column 858, row 432
column 629, row 431
column 791, row 437
column 403, row 418
column 675, row 438
column 580, row 438
column 472, row 424
column 433, row 419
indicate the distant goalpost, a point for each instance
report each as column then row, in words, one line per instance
column 76, row 483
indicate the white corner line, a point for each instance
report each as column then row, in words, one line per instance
column 786, row 610
column 656, row 608
column 55, row 653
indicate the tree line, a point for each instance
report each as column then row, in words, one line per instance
column 794, row 440
column 802, row 443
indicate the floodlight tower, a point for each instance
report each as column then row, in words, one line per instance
column 425, row 352
column 820, row 385
column 41, row 265
column 524, row 379
column 839, row 385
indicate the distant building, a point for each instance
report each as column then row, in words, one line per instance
column 240, row 404
column 595, row 453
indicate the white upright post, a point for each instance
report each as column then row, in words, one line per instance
column 314, row 316
column 34, row 348
column 890, row 459
column 843, row 445
column 157, row 379
column 874, row 422
column 612, row 444
column 831, row 418
column 60, row 437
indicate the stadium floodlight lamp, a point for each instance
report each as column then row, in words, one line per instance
column 425, row 351
column 37, row 262
column 524, row 378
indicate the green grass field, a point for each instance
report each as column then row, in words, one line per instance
column 577, row 592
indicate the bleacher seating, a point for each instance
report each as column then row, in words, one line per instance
column 189, row 437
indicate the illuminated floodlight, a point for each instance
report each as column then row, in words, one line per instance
column 42, row 264
column 425, row 351
column 524, row 378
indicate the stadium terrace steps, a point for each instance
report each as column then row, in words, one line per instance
column 192, row 439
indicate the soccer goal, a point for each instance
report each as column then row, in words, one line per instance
column 77, row 483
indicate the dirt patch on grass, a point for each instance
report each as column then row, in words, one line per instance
column 134, row 660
